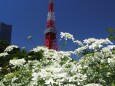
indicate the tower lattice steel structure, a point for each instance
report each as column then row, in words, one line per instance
column 50, row 31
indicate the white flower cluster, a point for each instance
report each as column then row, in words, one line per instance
column 78, row 42
column 95, row 44
column 106, row 51
column 97, row 65
column 34, row 76
column 98, row 43
column 111, row 46
column 62, row 54
column 39, row 48
column 89, row 41
column 93, row 84
column 66, row 36
column 17, row 62
column 3, row 54
column 10, row 48
column 79, row 50
column 53, row 54
column 56, row 74
column 111, row 61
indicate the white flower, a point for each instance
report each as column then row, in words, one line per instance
column 34, row 76
column 78, row 42
column 81, row 77
column 98, row 43
column 95, row 46
column 3, row 54
column 17, row 62
column 66, row 35
column 79, row 50
column 44, row 73
column 90, row 40
column 63, row 54
column 70, row 85
column 111, row 46
column 106, row 51
column 50, row 54
column 111, row 61
column 103, row 41
column 98, row 55
column 10, row 48
column 49, row 81
column 108, row 41
column 103, row 60
column 61, row 75
column 93, row 84
column 14, row 79
column 39, row 48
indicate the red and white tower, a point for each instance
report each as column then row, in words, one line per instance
column 50, row 32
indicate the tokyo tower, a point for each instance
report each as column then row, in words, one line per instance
column 50, row 31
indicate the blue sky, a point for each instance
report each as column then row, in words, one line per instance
column 82, row 18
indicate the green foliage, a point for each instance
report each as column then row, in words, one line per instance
column 11, row 75
column 35, row 55
column 19, row 76
column 113, row 84
column 111, row 32
column 3, row 45
column 16, row 53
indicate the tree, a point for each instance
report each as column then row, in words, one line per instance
column 3, row 45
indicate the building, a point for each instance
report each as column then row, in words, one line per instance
column 5, row 32
column 50, row 31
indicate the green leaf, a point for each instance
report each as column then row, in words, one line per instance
column 113, row 84
column 110, row 30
